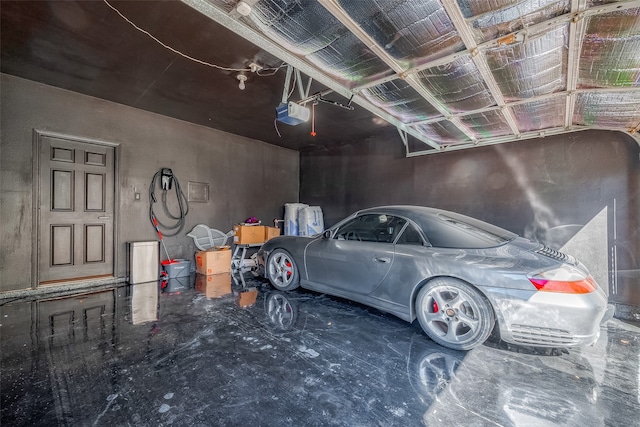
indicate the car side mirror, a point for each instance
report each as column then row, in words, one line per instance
column 326, row 234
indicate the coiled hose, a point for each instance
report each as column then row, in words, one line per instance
column 183, row 204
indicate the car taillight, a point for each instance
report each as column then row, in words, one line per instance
column 565, row 279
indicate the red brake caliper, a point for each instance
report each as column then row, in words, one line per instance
column 288, row 271
column 435, row 306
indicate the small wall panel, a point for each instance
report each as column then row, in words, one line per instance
column 61, row 245
column 94, row 243
column 62, row 154
column 96, row 159
column 61, row 190
column 94, row 192
column 198, row 192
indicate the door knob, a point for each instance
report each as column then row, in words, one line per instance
column 382, row 259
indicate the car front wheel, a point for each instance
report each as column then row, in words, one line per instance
column 282, row 270
column 454, row 314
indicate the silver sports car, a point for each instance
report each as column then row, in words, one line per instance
column 459, row 276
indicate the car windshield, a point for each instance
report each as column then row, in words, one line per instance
column 458, row 231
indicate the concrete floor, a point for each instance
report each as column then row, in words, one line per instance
column 256, row 357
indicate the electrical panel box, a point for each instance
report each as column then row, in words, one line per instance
column 292, row 113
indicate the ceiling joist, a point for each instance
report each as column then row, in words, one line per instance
column 576, row 32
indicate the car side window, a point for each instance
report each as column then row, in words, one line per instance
column 371, row 228
column 410, row 236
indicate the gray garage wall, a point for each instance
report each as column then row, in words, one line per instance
column 578, row 192
column 246, row 177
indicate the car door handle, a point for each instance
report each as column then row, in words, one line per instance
column 382, row 259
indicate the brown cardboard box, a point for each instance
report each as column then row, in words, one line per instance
column 247, row 297
column 271, row 232
column 248, row 234
column 214, row 261
column 214, row 285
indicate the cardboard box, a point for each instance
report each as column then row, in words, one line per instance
column 247, row 297
column 214, row 285
column 248, row 234
column 214, row 261
column 271, row 232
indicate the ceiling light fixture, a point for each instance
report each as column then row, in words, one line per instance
column 242, row 79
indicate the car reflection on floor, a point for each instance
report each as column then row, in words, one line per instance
column 152, row 355
column 526, row 392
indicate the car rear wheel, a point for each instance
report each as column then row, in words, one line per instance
column 454, row 314
column 282, row 270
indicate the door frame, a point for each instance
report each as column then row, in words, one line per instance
column 35, row 233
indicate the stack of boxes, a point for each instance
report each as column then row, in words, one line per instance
column 214, row 265
column 214, row 272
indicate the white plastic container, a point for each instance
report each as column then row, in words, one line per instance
column 291, row 218
column 310, row 221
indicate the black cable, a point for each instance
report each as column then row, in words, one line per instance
column 183, row 204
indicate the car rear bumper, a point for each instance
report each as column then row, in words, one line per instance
column 550, row 319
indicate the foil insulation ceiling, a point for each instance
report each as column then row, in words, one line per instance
column 461, row 73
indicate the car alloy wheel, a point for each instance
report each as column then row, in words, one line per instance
column 454, row 314
column 282, row 271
